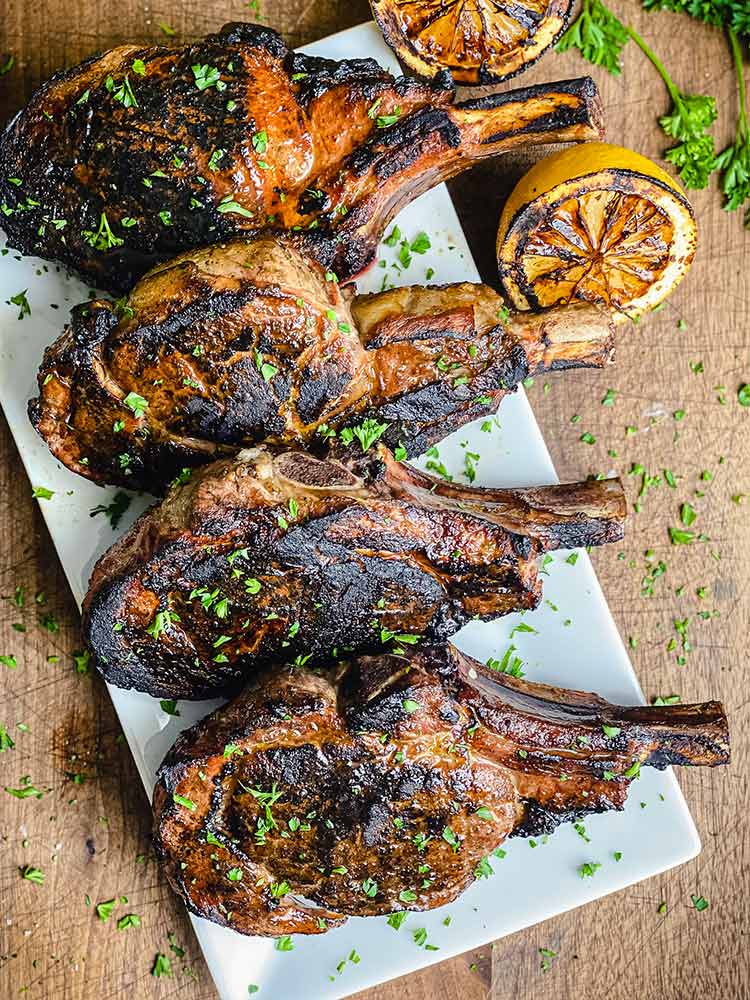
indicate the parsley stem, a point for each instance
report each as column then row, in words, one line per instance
column 657, row 63
column 743, row 128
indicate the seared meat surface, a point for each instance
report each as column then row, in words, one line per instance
column 287, row 558
column 139, row 153
column 236, row 344
column 387, row 782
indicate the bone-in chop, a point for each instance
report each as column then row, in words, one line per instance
column 386, row 784
column 287, row 558
column 139, row 153
column 237, row 344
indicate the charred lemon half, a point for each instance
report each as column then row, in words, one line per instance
column 478, row 41
column 598, row 223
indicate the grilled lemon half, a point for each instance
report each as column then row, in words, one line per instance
column 479, row 41
column 599, row 223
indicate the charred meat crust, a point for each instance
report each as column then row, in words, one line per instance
column 120, row 169
column 246, row 342
column 386, row 782
column 285, row 558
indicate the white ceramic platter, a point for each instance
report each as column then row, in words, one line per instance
column 576, row 644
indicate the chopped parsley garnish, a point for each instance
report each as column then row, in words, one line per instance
column 284, row 943
column 687, row 514
column 123, row 93
column 26, row 791
column 162, row 966
column 700, row 903
column 587, row 869
column 20, row 300
column 42, row 493
column 207, row 76
column 410, row 706
column 182, row 801
column 160, row 624
column 668, row 699
column 82, row 660
column 679, row 537
column 229, row 204
column 136, row 403
column 104, row 909
column 266, row 369
column 385, row 121
column 393, row 237
column 367, row 433
column 213, row 160
column 369, row 887
column 169, row 705
column 32, row 874
column 450, row 838
column 114, row 510
column 546, row 954
column 510, row 664
column 129, row 920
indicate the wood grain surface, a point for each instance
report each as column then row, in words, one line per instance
column 90, row 833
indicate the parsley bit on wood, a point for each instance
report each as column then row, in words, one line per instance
column 162, row 966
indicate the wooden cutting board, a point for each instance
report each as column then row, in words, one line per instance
column 92, row 837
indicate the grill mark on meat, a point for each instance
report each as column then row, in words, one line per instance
column 267, row 558
column 81, row 149
column 248, row 342
column 395, row 774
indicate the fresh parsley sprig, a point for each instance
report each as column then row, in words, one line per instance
column 691, row 116
column 731, row 14
column 734, row 161
column 599, row 34
column 601, row 37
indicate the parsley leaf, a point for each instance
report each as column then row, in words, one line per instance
column 734, row 161
column 207, row 76
column 114, row 510
column 20, row 300
column 598, row 34
column 136, row 403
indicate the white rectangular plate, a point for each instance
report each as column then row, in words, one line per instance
column 576, row 645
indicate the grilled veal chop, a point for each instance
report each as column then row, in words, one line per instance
column 140, row 153
column 287, row 558
column 386, row 784
column 236, row 344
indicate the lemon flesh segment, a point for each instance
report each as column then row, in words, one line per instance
column 615, row 236
column 478, row 41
